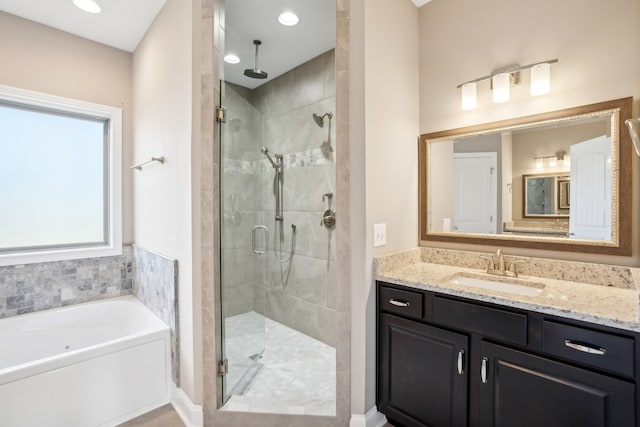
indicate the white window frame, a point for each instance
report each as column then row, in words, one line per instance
column 113, row 245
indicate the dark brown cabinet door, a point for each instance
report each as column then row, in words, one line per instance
column 523, row 390
column 422, row 374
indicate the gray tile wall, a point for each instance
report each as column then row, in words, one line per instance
column 41, row 286
column 156, row 285
column 278, row 115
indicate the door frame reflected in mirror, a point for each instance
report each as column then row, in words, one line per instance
column 621, row 244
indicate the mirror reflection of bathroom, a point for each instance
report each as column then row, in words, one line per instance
column 277, row 169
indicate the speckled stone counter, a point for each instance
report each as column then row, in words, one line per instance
column 596, row 293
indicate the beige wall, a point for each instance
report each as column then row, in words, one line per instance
column 388, row 142
column 597, row 44
column 163, row 79
column 42, row 59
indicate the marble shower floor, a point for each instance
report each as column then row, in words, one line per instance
column 295, row 375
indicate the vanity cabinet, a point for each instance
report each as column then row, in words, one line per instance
column 425, row 378
column 449, row 361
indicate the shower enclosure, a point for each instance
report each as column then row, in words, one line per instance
column 278, row 257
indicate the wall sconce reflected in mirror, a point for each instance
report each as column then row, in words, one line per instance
column 634, row 130
column 503, row 79
column 553, row 161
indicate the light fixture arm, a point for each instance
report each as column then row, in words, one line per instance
column 510, row 70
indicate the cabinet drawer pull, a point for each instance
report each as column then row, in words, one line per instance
column 461, row 362
column 585, row 347
column 483, row 370
column 398, row 303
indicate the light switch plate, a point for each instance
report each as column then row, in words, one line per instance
column 379, row 235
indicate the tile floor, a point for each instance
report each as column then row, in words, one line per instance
column 294, row 375
column 164, row 416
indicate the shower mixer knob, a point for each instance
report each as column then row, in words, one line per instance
column 328, row 219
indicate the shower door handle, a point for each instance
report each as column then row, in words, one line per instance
column 266, row 240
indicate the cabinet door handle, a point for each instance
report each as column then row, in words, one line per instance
column 483, row 370
column 398, row 303
column 461, row 362
column 586, row 348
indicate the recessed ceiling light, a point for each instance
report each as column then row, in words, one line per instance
column 288, row 18
column 88, row 6
column 231, row 59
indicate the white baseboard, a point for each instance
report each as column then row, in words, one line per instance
column 191, row 414
column 372, row 418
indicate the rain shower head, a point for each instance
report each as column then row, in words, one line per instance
column 255, row 73
column 320, row 119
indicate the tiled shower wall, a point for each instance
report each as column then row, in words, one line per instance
column 41, row 286
column 278, row 116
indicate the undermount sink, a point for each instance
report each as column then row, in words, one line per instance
column 501, row 284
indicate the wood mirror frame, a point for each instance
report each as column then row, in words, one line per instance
column 620, row 245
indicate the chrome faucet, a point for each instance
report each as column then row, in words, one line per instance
column 502, row 268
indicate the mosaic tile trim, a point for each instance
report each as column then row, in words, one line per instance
column 312, row 157
column 41, row 286
column 156, row 285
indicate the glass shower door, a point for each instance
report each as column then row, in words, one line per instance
column 244, row 242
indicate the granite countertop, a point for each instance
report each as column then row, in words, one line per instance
column 604, row 305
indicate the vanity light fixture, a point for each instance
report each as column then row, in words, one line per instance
column 288, row 19
column 88, row 6
column 503, row 79
column 560, row 156
column 634, row 131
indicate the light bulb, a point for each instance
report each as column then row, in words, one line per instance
column 469, row 98
column 500, row 87
column 540, row 80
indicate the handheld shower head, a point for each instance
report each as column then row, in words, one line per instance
column 264, row 151
column 319, row 119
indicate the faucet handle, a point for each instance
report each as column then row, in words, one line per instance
column 490, row 263
column 512, row 267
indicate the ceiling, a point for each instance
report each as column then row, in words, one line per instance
column 121, row 24
column 283, row 48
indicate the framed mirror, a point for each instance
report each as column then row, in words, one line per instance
column 548, row 181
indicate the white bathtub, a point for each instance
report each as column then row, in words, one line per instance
column 93, row 364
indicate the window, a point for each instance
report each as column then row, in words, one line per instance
column 60, row 178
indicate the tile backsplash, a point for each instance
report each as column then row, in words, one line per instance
column 27, row 288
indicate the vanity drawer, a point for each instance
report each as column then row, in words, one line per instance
column 489, row 322
column 598, row 349
column 405, row 303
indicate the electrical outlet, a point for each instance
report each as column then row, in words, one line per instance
column 379, row 235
